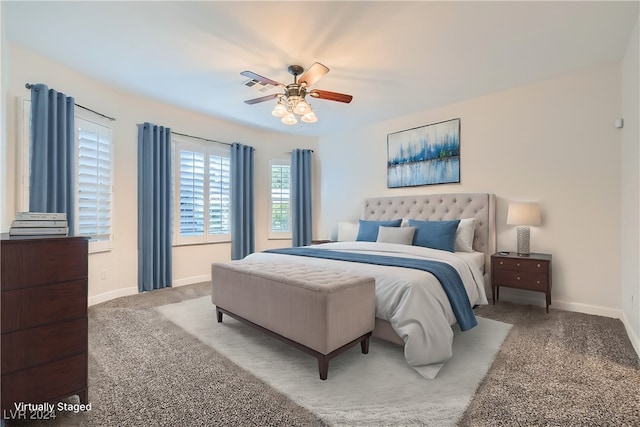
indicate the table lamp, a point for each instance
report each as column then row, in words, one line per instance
column 523, row 215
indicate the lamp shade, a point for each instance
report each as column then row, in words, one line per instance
column 523, row 214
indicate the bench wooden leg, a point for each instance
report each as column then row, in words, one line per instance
column 364, row 345
column 323, row 367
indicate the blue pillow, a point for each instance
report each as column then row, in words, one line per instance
column 368, row 230
column 435, row 234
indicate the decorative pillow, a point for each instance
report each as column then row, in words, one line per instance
column 400, row 235
column 347, row 231
column 368, row 230
column 464, row 235
column 435, row 234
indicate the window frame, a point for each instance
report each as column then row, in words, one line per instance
column 278, row 235
column 23, row 106
column 179, row 143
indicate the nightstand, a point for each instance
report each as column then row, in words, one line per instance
column 532, row 273
column 320, row 241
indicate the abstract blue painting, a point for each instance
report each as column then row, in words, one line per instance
column 424, row 155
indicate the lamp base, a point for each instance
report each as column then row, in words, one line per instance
column 523, row 240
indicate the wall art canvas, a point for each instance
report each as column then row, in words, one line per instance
column 424, row 155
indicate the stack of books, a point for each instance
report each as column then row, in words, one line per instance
column 39, row 224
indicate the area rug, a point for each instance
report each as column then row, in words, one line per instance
column 374, row 389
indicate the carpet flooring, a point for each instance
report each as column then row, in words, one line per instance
column 379, row 388
column 556, row 369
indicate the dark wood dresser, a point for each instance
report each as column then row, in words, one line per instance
column 43, row 319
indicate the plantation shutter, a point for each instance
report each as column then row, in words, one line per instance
column 94, row 180
column 219, row 199
column 192, row 190
column 280, row 199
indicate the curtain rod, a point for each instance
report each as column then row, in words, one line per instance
column 29, row 86
column 203, row 139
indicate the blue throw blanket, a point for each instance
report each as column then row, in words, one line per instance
column 446, row 274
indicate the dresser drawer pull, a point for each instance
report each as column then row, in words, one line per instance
column 501, row 262
column 538, row 282
column 518, row 264
column 517, row 277
column 538, row 265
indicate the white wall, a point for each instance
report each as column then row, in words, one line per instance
column 630, row 218
column 3, row 120
column 190, row 263
column 552, row 142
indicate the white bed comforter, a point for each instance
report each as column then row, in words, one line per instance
column 413, row 301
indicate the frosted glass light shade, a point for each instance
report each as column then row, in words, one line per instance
column 302, row 107
column 289, row 119
column 309, row 117
column 280, row 110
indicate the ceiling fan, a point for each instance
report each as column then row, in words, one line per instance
column 292, row 100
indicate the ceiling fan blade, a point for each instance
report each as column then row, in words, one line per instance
column 313, row 74
column 262, row 99
column 331, row 96
column 261, row 80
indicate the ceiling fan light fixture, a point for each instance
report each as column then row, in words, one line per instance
column 289, row 119
column 280, row 109
column 309, row 117
column 292, row 102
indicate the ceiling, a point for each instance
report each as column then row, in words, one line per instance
column 395, row 58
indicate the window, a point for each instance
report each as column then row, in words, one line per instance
column 202, row 198
column 93, row 182
column 94, row 175
column 280, row 211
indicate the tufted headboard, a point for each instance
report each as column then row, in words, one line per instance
column 439, row 207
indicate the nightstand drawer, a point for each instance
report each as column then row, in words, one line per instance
column 521, row 279
column 528, row 265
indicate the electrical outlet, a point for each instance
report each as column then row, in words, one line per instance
column 103, row 274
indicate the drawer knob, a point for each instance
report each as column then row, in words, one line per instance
column 518, row 264
column 538, row 282
column 538, row 265
column 517, row 277
column 501, row 262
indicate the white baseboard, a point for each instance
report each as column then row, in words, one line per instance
column 106, row 296
column 192, row 280
column 635, row 340
column 537, row 299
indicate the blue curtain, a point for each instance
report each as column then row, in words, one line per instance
column 242, row 223
column 154, row 207
column 301, row 196
column 52, row 158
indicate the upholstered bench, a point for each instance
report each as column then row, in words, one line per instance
column 321, row 312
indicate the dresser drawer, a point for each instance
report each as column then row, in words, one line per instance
column 33, row 262
column 520, row 265
column 45, row 344
column 40, row 305
column 521, row 279
column 44, row 383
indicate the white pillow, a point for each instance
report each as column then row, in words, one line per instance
column 464, row 235
column 400, row 235
column 347, row 231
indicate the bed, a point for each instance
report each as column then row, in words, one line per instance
column 413, row 308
